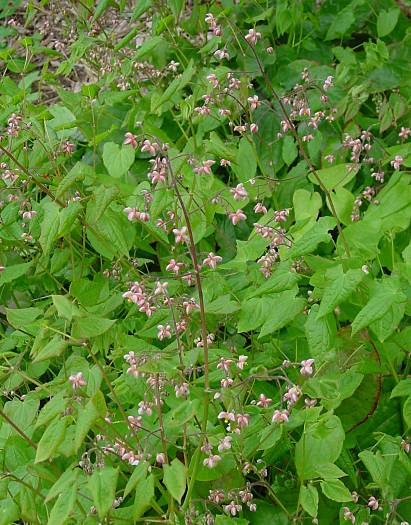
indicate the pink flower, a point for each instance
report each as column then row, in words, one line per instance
column 405, row 446
column 254, row 102
column 134, row 215
column 253, row 128
column 242, row 361
column 396, row 163
column 243, row 420
column 161, row 288
column 232, row 508
column 160, row 458
column 237, row 216
column 378, row 176
column 182, row 390
column 174, row 266
column 221, row 53
column 135, row 422
column 147, row 309
column 131, row 139
column 216, row 496
column 328, row 82
column 264, row 401
column 224, row 364
column 27, row 215
column 227, row 416
column 259, row 208
column 225, row 162
column 252, row 36
column 211, row 461
column 281, row 215
column 330, row 158
column 306, row 367
column 226, row 382
column 292, row 395
column 213, row 80
column 212, row 260
column 280, row 416
column 149, row 147
column 164, row 332
column 348, row 515
column 239, row 192
column 270, row 50
column 372, row 503
column 181, row 235
column 225, row 444
column 77, row 380
column 404, row 133
column 205, row 168
column 68, row 148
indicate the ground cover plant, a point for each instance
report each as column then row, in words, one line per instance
column 205, row 262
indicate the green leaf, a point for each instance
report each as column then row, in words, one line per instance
column 341, row 24
column 320, row 332
column 385, row 293
column 49, row 226
column 175, row 479
column 289, row 150
column 307, row 204
column 176, row 86
column 280, row 280
column 92, row 412
column 117, row 159
column 321, row 442
column 102, row 485
column 309, row 499
column 341, row 287
column 51, row 439
column 402, row 389
column 329, row 471
column 53, row 348
column 386, row 21
column 335, row 490
column 65, row 308
column 269, row 437
column 376, row 467
column 309, row 241
column 63, row 506
column 246, row 161
column 335, row 176
column 406, row 411
column 14, row 272
column 253, row 313
column 139, row 472
column 226, row 520
column 91, row 326
column 144, row 495
column 20, row 317
column 284, row 308
column 54, row 407
column 66, row 480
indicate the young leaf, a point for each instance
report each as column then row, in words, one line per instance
column 66, row 480
column 63, row 506
column 309, row 499
column 175, row 478
column 402, row 389
column 386, row 21
column 51, row 439
column 144, row 495
column 341, row 287
column 102, row 484
column 117, row 159
column 336, row 490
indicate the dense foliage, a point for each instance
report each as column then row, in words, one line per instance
column 205, row 262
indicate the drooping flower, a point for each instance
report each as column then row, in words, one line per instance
column 236, row 217
column 77, row 380
column 131, row 139
column 280, row 416
column 212, row 260
column 307, row 367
